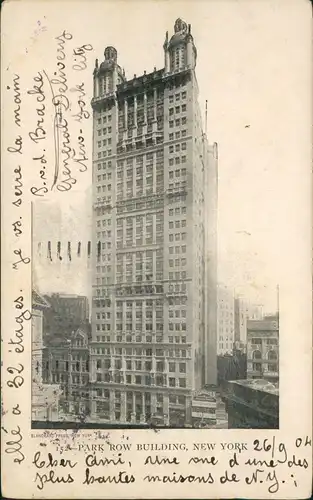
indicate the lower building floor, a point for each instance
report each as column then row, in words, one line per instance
column 141, row 406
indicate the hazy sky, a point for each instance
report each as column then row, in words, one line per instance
column 253, row 71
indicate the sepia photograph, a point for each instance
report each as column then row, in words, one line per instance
column 156, row 250
column 146, row 310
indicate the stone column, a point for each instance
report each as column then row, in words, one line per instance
column 166, row 410
column 112, row 405
column 153, row 363
column 125, row 113
column 145, row 108
column 114, row 79
column 155, row 96
column 153, row 404
column 123, row 406
column 133, row 414
column 166, row 60
column 135, row 111
column 166, row 366
column 97, row 86
column 93, row 408
column 95, row 94
column 143, row 410
column 50, row 368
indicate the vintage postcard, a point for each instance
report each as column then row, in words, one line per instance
column 156, row 249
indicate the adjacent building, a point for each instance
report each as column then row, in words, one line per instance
column 245, row 310
column 225, row 320
column 66, row 314
column 45, row 397
column 203, row 409
column 263, row 348
column 154, row 230
column 66, row 363
column 231, row 367
column 252, row 404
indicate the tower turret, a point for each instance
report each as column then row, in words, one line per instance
column 108, row 75
column 181, row 49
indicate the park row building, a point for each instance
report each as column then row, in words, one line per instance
column 154, row 227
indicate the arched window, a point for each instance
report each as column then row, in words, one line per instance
column 272, row 355
column 256, row 354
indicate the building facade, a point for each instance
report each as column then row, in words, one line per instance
column 66, row 314
column 263, row 348
column 150, row 315
column 244, row 310
column 66, row 363
column 204, row 409
column 225, row 320
column 252, row 404
column 45, row 396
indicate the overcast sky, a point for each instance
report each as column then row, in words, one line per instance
column 253, row 71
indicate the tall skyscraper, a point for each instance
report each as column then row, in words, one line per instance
column 154, row 227
column 225, row 319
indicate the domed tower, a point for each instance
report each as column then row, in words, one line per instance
column 108, row 75
column 180, row 52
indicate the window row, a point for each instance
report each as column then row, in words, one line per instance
column 104, row 119
column 266, row 341
column 177, row 249
column 103, row 154
column 177, row 237
column 177, row 211
column 177, row 134
column 104, row 131
column 104, row 187
column 177, row 198
column 137, row 351
column 177, row 288
column 178, row 122
column 104, row 222
column 104, row 143
column 104, row 199
column 146, row 326
column 142, row 380
column 177, row 224
column 178, row 109
column 178, row 147
column 104, row 269
column 104, row 327
column 138, row 160
column 177, row 262
column 105, row 234
column 138, row 314
column 177, row 160
column 177, row 327
column 177, row 313
column 177, row 96
column 104, row 177
column 140, row 172
column 105, row 165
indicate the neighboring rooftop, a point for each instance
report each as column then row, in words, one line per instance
column 266, row 324
column 258, row 384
